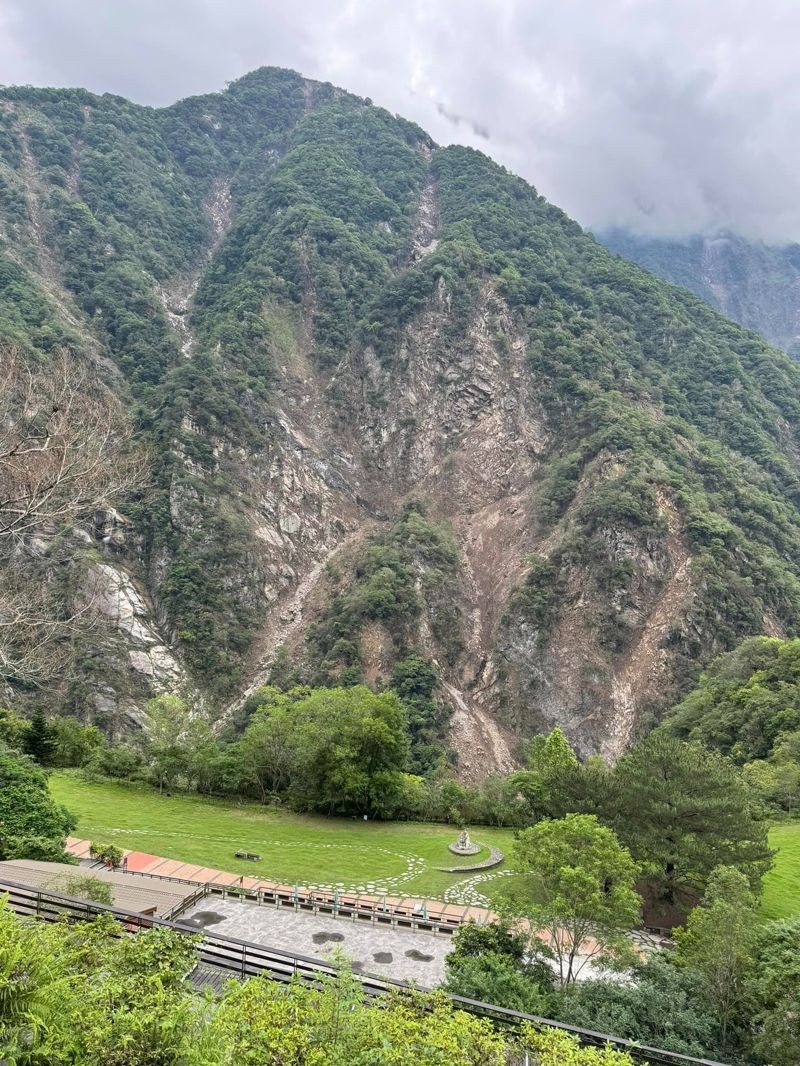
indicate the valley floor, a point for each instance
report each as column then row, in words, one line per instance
column 782, row 884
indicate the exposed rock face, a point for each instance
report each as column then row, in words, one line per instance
column 453, row 422
column 457, row 423
column 111, row 593
column 127, row 636
column 319, row 315
column 570, row 677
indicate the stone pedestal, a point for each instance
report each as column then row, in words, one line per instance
column 464, row 846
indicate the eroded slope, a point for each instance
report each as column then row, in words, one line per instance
column 327, row 326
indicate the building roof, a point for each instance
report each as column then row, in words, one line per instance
column 139, row 895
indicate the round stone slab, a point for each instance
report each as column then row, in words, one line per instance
column 458, row 849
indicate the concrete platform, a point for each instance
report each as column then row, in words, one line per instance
column 400, row 954
column 162, row 899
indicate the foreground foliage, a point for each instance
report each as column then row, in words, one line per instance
column 79, row 995
column 729, row 992
column 719, row 942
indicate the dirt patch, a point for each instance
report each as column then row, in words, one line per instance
column 426, row 227
column 483, row 746
column 377, row 652
column 419, row 956
column 178, row 294
column 643, row 670
column 327, row 938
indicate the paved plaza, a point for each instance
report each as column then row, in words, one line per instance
column 399, row 954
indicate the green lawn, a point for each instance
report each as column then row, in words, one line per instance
column 395, row 857
column 782, row 884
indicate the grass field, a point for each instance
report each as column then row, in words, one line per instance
column 782, row 884
column 392, row 857
column 395, row 857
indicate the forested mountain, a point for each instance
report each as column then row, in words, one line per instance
column 391, row 403
column 755, row 284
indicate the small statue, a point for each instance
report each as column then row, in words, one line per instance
column 463, row 845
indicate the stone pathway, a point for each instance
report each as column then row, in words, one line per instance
column 466, row 892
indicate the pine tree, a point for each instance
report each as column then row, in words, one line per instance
column 684, row 810
column 40, row 739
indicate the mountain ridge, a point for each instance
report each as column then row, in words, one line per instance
column 397, row 404
column 755, row 284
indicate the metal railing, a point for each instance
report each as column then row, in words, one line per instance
column 243, row 959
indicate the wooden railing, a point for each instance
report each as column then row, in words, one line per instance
column 242, row 959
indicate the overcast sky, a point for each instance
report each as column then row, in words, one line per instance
column 665, row 116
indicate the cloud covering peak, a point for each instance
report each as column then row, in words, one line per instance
column 666, row 117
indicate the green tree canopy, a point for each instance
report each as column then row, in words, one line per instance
column 39, row 741
column 747, row 705
column 491, row 963
column 32, row 825
column 683, row 810
column 74, row 744
column 79, row 995
column 14, row 729
column 718, row 942
column 637, row 1009
column 352, row 747
column 548, row 780
column 576, row 890
column 773, row 991
column 335, row 750
column 745, row 701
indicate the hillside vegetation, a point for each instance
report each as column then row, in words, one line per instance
column 747, row 705
column 315, row 316
column 755, row 284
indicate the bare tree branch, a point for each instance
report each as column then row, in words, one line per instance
column 65, row 445
column 66, row 451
